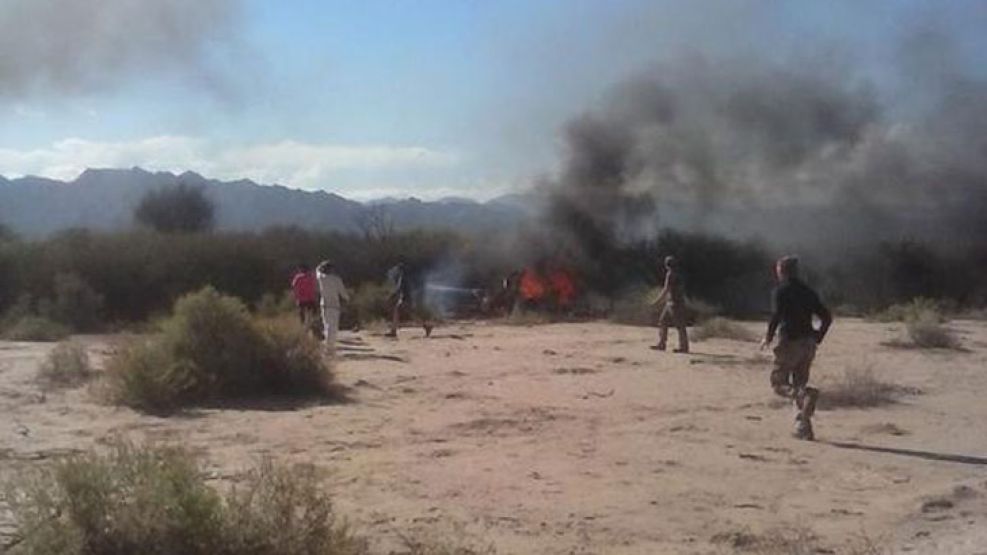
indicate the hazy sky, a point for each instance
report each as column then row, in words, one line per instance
column 378, row 97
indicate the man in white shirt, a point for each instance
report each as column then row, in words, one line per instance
column 333, row 293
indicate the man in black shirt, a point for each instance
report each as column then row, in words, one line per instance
column 795, row 303
column 408, row 295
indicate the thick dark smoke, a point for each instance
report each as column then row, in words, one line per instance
column 66, row 47
column 810, row 153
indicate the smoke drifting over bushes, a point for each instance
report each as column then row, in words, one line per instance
column 65, row 47
column 798, row 149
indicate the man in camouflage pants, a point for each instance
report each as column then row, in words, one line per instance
column 794, row 304
column 674, row 312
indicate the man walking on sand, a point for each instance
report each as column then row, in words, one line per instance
column 674, row 312
column 333, row 293
column 408, row 295
column 794, row 304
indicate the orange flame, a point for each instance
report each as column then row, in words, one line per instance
column 532, row 286
column 562, row 286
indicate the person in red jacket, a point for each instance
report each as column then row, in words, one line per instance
column 306, row 290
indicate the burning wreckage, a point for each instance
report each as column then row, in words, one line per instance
column 543, row 287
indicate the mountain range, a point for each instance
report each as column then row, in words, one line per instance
column 104, row 199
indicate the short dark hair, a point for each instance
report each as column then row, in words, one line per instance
column 788, row 265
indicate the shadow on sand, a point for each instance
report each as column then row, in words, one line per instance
column 927, row 455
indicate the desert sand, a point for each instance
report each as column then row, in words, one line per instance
column 577, row 438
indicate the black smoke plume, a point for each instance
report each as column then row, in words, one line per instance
column 811, row 154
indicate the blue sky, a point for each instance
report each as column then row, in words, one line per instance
column 378, row 97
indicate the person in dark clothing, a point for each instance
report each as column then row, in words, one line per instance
column 794, row 304
column 673, row 314
column 408, row 295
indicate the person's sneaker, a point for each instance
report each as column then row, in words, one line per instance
column 685, row 351
column 391, row 333
column 803, row 429
column 428, row 330
column 657, row 347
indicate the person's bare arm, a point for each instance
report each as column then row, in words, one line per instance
column 343, row 293
column 665, row 289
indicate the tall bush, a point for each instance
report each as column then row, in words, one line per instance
column 211, row 349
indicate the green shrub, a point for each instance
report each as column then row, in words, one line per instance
column 67, row 365
column 155, row 501
column 294, row 359
column 722, row 328
column 36, row 328
column 144, row 375
column 271, row 305
column 276, row 510
column 74, row 304
column 369, row 302
column 211, row 349
column 21, row 308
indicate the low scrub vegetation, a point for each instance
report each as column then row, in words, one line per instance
column 211, row 349
column 722, row 328
column 155, row 501
column 67, row 365
column 369, row 302
column 919, row 307
column 926, row 331
column 272, row 306
column 859, row 387
column 36, row 328
column 635, row 307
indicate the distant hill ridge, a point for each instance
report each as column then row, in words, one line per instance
column 104, row 199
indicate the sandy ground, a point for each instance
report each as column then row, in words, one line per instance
column 576, row 438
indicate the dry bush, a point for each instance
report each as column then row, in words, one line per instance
column 370, row 302
column 919, row 307
column 211, row 349
column 36, row 328
column 74, row 303
column 272, row 306
column 634, row 307
column 792, row 540
column 155, row 501
column 926, row 331
column 722, row 328
column 521, row 317
column 776, row 541
column 453, row 539
column 700, row 311
column 858, row 387
column 67, row 365
column 276, row 510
